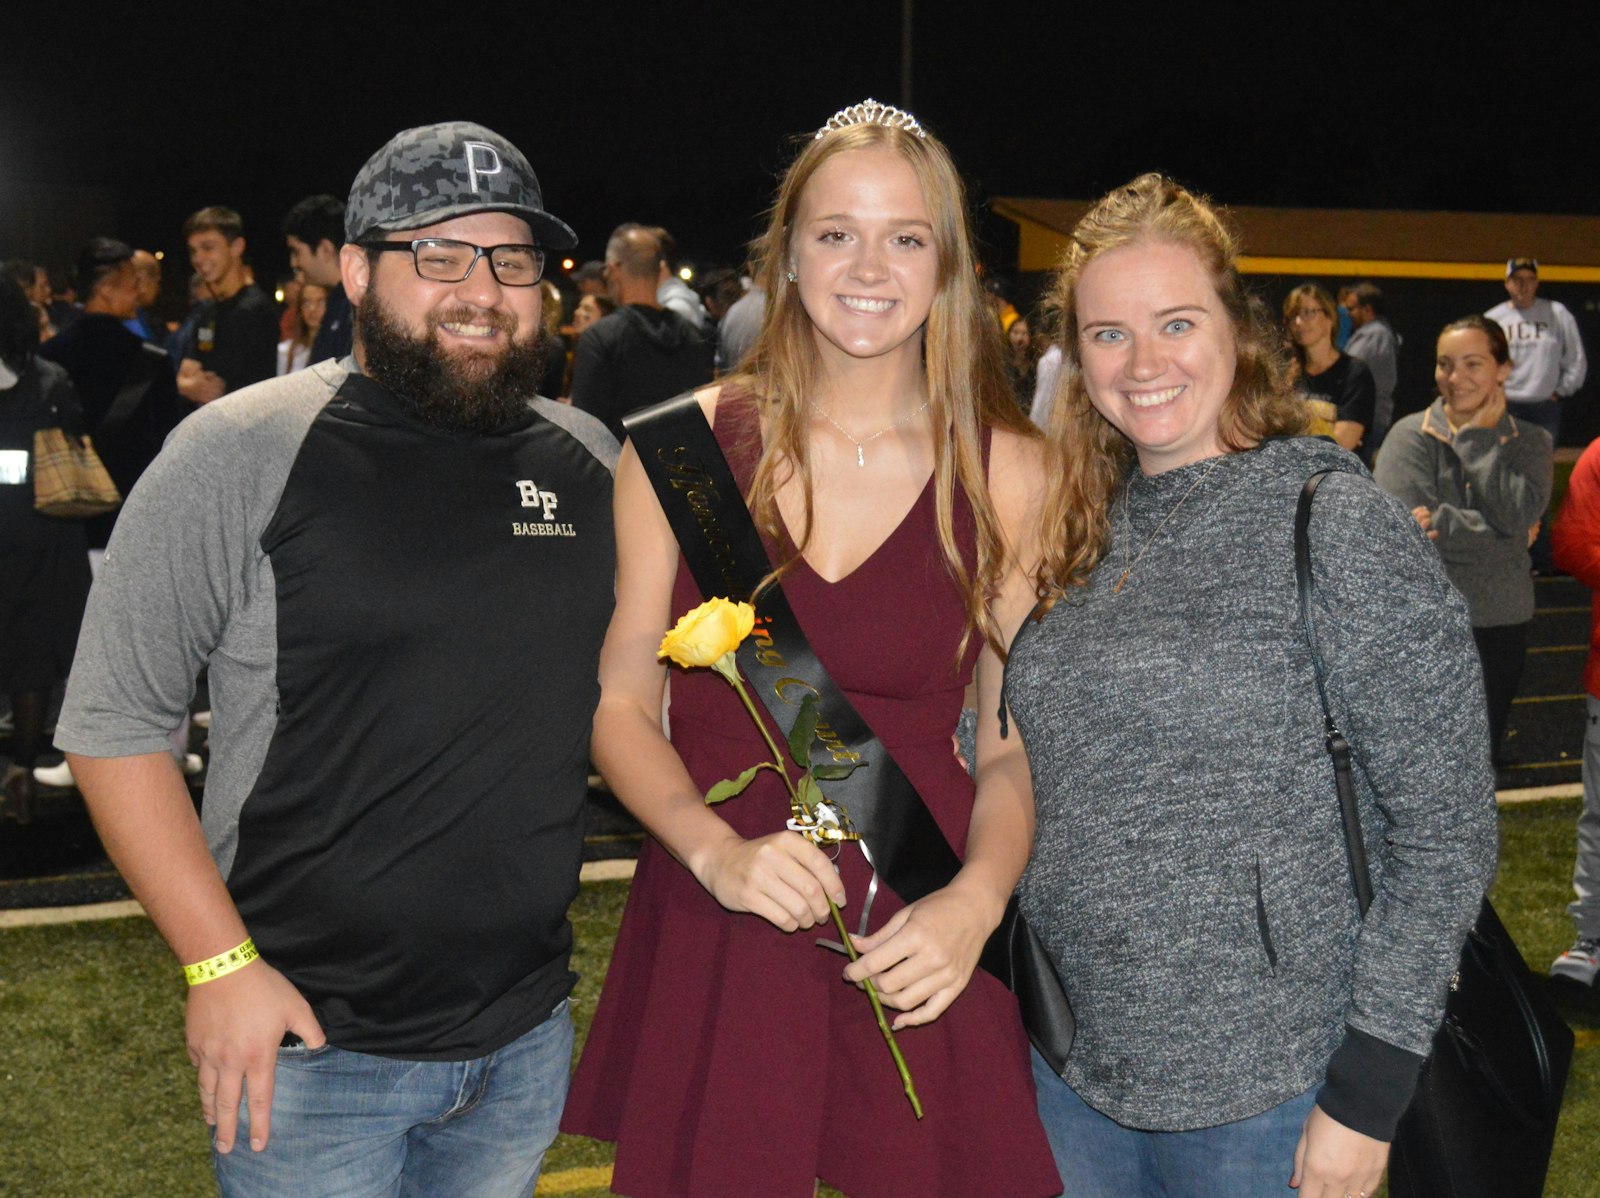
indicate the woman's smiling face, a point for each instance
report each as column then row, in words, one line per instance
column 1157, row 351
column 862, row 248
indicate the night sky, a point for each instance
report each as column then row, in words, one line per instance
column 680, row 114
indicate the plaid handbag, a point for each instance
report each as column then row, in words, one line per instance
column 69, row 480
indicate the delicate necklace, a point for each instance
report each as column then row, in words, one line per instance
column 861, row 456
column 1150, row 540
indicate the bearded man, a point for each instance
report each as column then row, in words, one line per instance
column 399, row 568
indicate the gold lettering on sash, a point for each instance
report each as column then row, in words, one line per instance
column 766, row 652
column 793, row 692
column 685, row 474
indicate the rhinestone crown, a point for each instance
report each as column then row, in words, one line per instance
column 870, row 112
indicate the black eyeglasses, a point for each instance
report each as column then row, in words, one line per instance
column 443, row 261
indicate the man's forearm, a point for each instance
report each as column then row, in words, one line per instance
column 147, row 822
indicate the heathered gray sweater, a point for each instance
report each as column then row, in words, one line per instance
column 1189, row 877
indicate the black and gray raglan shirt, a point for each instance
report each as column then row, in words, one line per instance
column 403, row 629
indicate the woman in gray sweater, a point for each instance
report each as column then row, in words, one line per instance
column 1237, row 1020
column 1477, row 480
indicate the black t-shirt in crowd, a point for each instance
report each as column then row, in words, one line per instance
column 1344, row 391
column 238, row 337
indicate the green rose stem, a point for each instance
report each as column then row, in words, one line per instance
column 726, row 666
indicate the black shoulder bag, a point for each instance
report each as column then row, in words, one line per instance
column 905, row 847
column 1483, row 1120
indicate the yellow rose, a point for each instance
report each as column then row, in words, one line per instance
column 711, row 630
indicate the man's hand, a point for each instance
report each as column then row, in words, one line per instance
column 197, row 384
column 235, row 1025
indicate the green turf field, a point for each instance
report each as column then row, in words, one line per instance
column 97, row 1096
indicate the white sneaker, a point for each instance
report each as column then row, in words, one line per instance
column 1579, row 963
column 191, row 765
column 59, row 776
column 201, row 719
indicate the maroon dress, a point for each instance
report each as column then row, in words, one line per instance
column 727, row 1058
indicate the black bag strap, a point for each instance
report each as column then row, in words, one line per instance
column 1338, row 746
column 720, row 542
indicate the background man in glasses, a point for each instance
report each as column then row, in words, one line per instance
column 399, row 569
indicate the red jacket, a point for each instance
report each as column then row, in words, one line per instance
column 1575, row 542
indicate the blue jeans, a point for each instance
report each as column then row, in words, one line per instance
column 351, row 1125
column 1099, row 1158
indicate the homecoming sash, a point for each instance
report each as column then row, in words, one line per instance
column 904, row 844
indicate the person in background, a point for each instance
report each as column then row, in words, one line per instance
column 1373, row 340
column 44, row 569
column 590, row 279
column 1337, row 388
column 1477, row 480
column 234, row 340
column 590, row 309
column 1047, row 374
column 144, row 321
column 719, row 290
column 739, row 328
column 125, row 384
column 641, row 353
column 1575, row 544
column 672, row 293
column 309, row 307
column 1021, row 367
column 552, row 345
column 999, row 295
column 1547, row 359
column 314, row 230
column 1239, row 1025
column 130, row 403
column 34, row 281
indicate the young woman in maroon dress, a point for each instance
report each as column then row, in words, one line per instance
column 887, row 466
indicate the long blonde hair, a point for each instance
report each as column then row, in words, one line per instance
column 962, row 356
column 1090, row 458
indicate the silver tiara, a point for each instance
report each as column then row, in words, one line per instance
column 870, row 112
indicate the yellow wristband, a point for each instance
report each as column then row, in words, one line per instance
column 209, row 971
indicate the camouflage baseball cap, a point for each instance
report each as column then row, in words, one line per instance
column 427, row 175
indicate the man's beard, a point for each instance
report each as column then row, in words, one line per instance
column 462, row 392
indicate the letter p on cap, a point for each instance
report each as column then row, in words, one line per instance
column 483, row 161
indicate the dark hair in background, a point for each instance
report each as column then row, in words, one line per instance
column 720, row 286
column 316, row 219
column 1499, row 347
column 19, row 324
column 99, row 258
column 1368, row 295
column 216, row 219
column 21, row 271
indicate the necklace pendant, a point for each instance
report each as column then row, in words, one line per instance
column 861, row 456
column 1117, row 590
